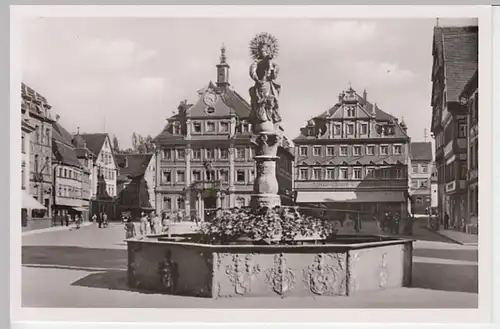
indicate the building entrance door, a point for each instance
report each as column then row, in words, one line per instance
column 209, row 206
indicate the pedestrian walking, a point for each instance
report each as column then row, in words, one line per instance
column 78, row 221
column 446, row 220
column 105, row 220
column 396, row 220
column 129, row 228
column 68, row 218
column 155, row 223
column 165, row 223
column 94, row 218
column 143, row 224
column 100, row 219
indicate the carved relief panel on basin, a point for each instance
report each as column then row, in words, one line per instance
column 280, row 278
column 327, row 274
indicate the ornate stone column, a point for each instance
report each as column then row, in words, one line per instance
column 200, row 207
column 187, row 201
column 266, row 186
column 231, row 175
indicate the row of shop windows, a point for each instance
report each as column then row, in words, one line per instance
column 346, row 173
column 356, row 150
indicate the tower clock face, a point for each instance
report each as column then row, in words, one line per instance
column 210, row 98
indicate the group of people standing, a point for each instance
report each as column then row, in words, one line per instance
column 389, row 222
column 148, row 224
column 102, row 219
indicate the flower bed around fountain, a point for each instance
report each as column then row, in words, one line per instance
column 229, row 263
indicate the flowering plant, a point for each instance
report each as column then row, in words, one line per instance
column 280, row 224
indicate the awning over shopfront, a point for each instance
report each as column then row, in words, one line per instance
column 80, row 209
column 29, row 202
column 350, row 196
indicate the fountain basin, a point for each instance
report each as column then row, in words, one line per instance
column 351, row 264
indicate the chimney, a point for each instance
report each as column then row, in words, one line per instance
column 374, row 109
column 223, row 69
column 364, row 96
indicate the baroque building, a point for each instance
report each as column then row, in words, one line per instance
column 455, row 56
column 205, row 153
column 420, row 177
column 36, row 114
column 353, row 156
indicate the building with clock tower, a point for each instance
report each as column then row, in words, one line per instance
column 205, row 153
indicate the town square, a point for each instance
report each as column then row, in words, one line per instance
column 302, row 165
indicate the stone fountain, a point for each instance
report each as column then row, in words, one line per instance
column 338, row 265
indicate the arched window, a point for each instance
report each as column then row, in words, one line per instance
column 35, row 164
column 180, row 203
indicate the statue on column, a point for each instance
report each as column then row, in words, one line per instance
column 265, row 114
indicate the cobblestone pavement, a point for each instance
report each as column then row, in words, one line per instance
column 86, row 268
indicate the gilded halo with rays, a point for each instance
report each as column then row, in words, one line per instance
column 261, row 39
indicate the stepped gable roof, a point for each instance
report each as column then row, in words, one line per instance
column 459, row 48
column 421, row 151
column 94, row 141
column 132, row 165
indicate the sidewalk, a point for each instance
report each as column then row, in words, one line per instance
column 55, row 229
column 459, row 237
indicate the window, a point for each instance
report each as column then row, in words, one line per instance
column 197, row 127
column 357, row 150
column 424, row 183
column 37, row 134
column 364, row 129
column 414, row 168
column 317, row 151
column 210, row 153
column 65, row 173
column 196, row 154
column 370, row 150
column 210, row 127
column 337, row 129
column 425, row 169
column 370, row 172
column 384, row 149
column 397, row 149
column 384, row 173
column 224, row 153
column 462, row 129
column 240, row 202
column 343, row 173
column 350, row 129
column 463, row 171
column 316, row 174
column 420, row 200
column 330, row 151
column 251, row 176
column 303, row 151
column 357, row 173
column 414, row 184
column 240, row 176
column 350, row 112
column 167, row 177
column 23, row 177
column 240, row 153
column 181, row 154
column 180, row 176
column 343, row 150
column 167, row 154
column 60, row 172
column 180, row 203
column 210, row 110
column 399, row 173
column 47, row 136
column 47, row 165
column 224, row 175
column 330, row 173
column 196, row 175
column 303, row 174
column 224, row 127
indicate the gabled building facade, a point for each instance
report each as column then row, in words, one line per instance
column 104, row 174
column 205, row 153
column 37, row 116
column 68, row 175
column 455, row 55
column 136, row 179
column 86, row 159
column 470, row 96
column 353, row 156
column 420, row 177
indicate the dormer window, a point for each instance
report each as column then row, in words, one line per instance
column 210, row 110
column 350, row 112
column 224, row 127
column 210, row 127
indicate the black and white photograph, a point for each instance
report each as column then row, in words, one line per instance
column 260, row 162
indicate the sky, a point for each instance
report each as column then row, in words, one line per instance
column 125, row 75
